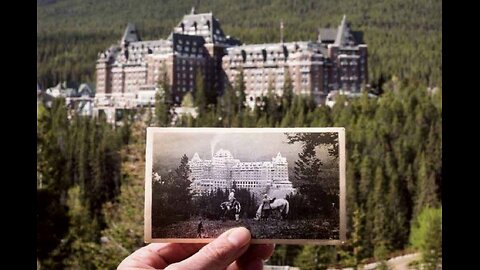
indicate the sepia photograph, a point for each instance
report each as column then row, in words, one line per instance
column 284, row 185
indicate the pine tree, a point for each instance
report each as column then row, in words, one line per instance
column 181, row 186
column 313, row 257
column 271, row 105
column 366, row 184
column 396, row 201
column 426, row 188
column 200, row 94
column 426, row 236
column 163, row 99
column 287, row 96
column 240, row 91
column 380, row 212
column 358, row 234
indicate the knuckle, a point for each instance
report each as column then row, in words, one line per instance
column 217, row 253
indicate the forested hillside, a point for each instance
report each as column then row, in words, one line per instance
column 404, row 36
column 89, row 174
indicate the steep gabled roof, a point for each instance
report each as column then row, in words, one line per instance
column 346, row 37
column 342, row 32
column 130, row 34
column 204, row 25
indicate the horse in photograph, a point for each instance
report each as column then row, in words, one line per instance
column 278, row 208
column 231, row 210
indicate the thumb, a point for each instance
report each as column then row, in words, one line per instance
column 218, row 254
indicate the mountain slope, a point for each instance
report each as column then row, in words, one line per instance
column 404, row 37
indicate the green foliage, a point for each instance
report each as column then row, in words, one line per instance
column 200, row 94
column 394, row 143
column 187, row 100
column 78, row 171
column 171, row 197
column 404, row 37
column 313, row 257
column 163, row 99
column 426, row 237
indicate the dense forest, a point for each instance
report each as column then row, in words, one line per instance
column 90, row 174
column 394, row 168
column 404, row 37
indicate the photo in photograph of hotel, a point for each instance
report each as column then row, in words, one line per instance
column 282, row 184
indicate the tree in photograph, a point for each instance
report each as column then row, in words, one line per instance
column 307, row 170
column 172, row 199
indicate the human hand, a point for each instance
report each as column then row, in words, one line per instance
column 231, row 251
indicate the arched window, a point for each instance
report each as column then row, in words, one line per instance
column 195, row 26
column 183, row 27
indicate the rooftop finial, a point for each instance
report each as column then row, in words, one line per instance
column 193, row 10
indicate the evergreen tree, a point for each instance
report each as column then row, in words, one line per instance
column 380, row 212
column 427, row 188
column 396, row 201
column 240, row 88
column 163, row 99
column 358, row 234
column 200, row 94
column 287, row 96
column 426, row 236
column 313, row 257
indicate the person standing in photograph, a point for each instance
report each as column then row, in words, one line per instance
column 200, row 229
column 264, row 208
column 231, row 196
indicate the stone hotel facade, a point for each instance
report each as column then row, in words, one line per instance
column 128, row 72
column 223, row 170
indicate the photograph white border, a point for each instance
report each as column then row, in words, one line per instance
column 148, row 183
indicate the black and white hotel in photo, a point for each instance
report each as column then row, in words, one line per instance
column 286, row 185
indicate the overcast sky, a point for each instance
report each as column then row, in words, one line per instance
column 168, row 148
column 244, row 146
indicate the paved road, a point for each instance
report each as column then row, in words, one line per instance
column 397, row 263
column 401, row 263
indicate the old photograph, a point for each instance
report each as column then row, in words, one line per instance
column 286, row 185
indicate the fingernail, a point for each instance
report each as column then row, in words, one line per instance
column 239, row 237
